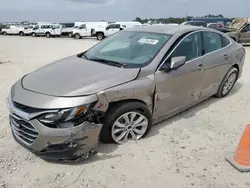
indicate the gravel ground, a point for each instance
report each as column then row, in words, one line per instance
column 185, row 151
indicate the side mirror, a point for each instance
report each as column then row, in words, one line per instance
column 175, row 63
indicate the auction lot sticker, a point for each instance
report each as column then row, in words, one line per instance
column 148, row 41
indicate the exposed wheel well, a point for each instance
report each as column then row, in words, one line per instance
column 99, row 32
column 237, row 67
column 113, row 104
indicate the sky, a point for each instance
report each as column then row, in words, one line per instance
column 117, row 10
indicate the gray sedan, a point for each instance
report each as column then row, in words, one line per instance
column 117, row 89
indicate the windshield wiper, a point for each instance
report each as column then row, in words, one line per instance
column 113, row 63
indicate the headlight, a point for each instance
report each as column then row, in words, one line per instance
column 63, row 115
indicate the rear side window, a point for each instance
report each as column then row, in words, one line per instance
column 212, row 41
column 225, row 41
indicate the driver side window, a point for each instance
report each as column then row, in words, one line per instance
column 190, row 47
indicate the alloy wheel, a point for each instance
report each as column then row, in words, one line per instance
column 129, row 126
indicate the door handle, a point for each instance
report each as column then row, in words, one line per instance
column 200, row 66
column 225, row 56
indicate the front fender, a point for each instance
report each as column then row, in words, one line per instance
column 141, row 89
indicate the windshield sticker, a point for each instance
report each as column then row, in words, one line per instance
column 148, row 41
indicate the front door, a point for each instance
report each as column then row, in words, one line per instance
column 244, row 36
column 177, row 89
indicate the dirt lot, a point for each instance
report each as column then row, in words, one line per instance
column 185, row 151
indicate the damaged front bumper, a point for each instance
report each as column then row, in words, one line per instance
column 55, row 144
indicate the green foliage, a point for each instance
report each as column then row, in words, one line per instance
column 172, row 19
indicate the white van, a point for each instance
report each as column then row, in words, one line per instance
column 88, row 29
column 43, row 29
column 12, row 30
column 112, row 28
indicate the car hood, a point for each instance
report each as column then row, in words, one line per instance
column 75, row 76
column 238, row 23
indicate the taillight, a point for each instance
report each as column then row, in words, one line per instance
column 244, row 50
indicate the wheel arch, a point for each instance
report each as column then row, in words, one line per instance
column 141, row 91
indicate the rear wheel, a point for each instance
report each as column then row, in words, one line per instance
column 126, row 121
column 33, row 34
column 100, row 36
column 21, row 33
column 4, row 33
column 78, row 36
column 48, row 35
column 228, row 82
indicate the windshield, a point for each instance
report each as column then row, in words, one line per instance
column 130, row 48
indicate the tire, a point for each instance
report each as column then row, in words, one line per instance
column 70, row 35
column 33, row 34
column 232, row 73
column 100, row 36
column 21, row 33
column 4, row 33
column 48, row 35
column 114, row 114
column 77, row 36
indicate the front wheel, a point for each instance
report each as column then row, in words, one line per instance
column 21, row 33
column 33, row 34
column 228, row 82
column 126, row 121
column 48, row 35
column 4, row 33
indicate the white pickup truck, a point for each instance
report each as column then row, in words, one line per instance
column 112, row 28
column 12, row 30
column 87, row 29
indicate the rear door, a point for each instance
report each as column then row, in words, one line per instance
column 216, row 61
column 244, row 36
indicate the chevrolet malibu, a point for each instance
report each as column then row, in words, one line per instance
column 117, row 89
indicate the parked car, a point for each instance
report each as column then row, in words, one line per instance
column 12, row 30
column 218, row 26
column 43, row 29
column 240, row 31
column 195, row 23
column 118, row 88
column 112, row 28
column 88, row 29
column 27, row 31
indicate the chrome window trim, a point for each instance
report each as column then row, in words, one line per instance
column 158, row 69
column 25, row 115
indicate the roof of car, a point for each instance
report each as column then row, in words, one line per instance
column 168, row 29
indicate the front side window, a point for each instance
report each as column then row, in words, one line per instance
column 129, row 47
column 82, row 26
column 190, row 47
column 212, row 41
